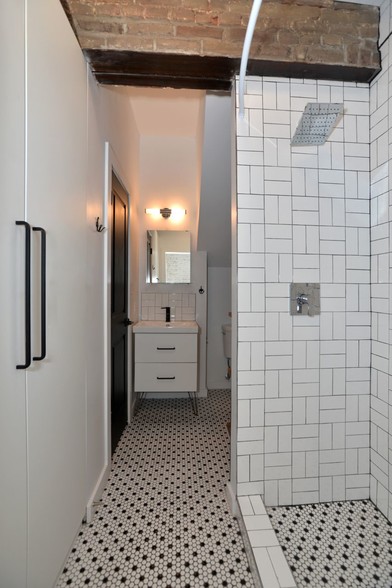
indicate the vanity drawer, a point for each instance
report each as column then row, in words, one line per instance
column 165, row 377
column 156, row 348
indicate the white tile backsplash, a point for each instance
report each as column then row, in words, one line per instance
column 182, row 306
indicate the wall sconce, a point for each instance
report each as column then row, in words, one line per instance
column 166, row 213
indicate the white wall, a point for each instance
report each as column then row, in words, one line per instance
column 96, row 457
column 169, row 177
column 219, row 306
column 381, row 222
column 121, row 131
column 169, row 144
column 110, row 118
column 303, row 216
column 214, row 230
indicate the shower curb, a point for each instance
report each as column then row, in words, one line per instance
column 265, row 555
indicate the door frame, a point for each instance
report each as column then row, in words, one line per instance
column 111, row 166
column 231, row 487
column 118, row 190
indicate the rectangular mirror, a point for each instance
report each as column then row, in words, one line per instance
column 168, row 257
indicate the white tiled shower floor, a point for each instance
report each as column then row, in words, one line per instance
column 164, row 519
column 345, row 544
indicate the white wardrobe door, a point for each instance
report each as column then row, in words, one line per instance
column 13, row 510
column 56, row 170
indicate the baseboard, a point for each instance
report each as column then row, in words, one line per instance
column 220, row 385
column 97, row 492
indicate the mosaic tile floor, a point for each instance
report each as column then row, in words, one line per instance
column 164, row 520
column 336, row 544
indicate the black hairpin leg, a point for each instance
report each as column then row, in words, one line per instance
column 194, row 403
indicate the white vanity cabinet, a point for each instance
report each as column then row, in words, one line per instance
column 165, row 361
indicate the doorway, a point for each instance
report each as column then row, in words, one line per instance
column 119, row 311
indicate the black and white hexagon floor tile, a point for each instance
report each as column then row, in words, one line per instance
column 163, row 520
column 336, row 544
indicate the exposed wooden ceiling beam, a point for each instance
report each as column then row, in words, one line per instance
column 209, row 73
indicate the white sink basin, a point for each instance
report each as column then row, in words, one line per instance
column 162, row 327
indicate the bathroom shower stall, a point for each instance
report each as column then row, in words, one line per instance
column 313, row 389
column 303, row 216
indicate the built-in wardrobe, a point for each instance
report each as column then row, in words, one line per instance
column 43, row 152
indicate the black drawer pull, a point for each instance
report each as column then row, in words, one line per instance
column 167, row 378
column 165, row 348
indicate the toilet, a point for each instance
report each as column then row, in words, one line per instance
column 226, row 332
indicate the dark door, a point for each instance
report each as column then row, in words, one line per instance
column 119, row 310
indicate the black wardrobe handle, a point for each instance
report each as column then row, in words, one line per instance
column 165, row 348
column 43, row 294
column 168, row 378
column 27, row 297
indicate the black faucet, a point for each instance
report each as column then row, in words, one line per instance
column 167, row 308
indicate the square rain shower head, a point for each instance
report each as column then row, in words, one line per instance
column 316, row 123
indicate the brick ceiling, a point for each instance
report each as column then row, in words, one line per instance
column 198, row 43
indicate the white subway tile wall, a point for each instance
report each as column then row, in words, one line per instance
column 303, row 216
column 381, row 293
column 182, row 306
